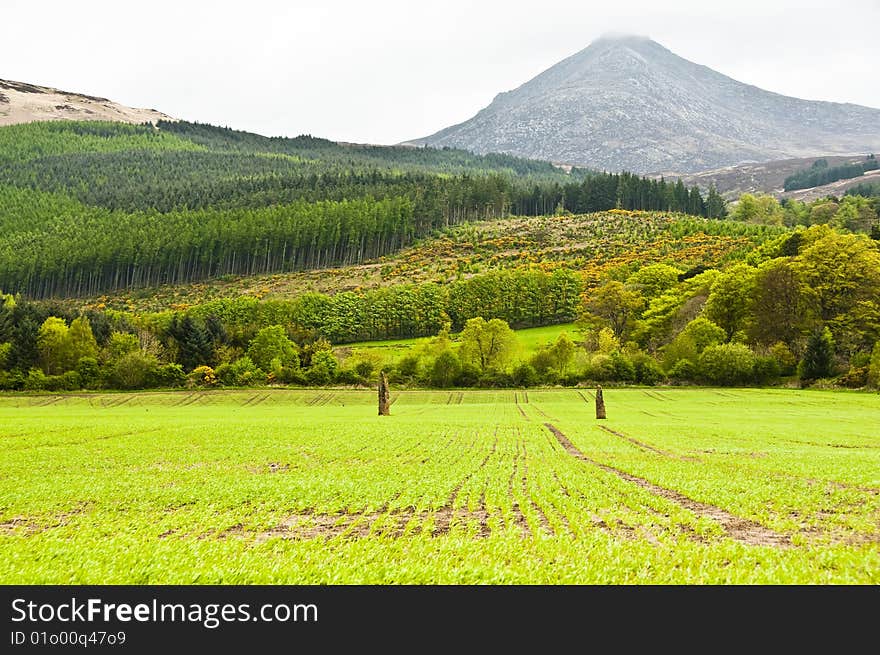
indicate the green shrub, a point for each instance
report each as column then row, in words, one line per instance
column 168, row 376
column 622, row 368
column 323, row 368
column 35, row 380
column 648, row 371
column 818, row 360
column 89, row 372
column 11, row 381
column 855, row 378
column 601, row 368
column 133, row 370
column 525, row 375
column 496, row 379
column 270, row 343
column 766, row 369
column 467, row 376
column 784, row 357
column 445, row 370
column 684, row 370
column 727, row 364
column 243, row 372
column 874, row 367
column 407, row 368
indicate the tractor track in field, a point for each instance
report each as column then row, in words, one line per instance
column 737, row 528
column 647, row 446
column 49, row 401
column 194, row 400
column 445, row 516
column 542, row 412
column 118, row 403
column 575, row 494
column 563, row 490
column 321, row 399
column 23, row 525
column 256, row 399
column 86, row 441
column 585, row 399
column 184, row 400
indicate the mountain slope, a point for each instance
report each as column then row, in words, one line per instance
column 26, row 103
column 629, row 103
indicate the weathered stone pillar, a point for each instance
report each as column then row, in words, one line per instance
column 384, row 396
column 600, row 404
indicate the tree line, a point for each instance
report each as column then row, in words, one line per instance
column 806, row 303
column 820, row 173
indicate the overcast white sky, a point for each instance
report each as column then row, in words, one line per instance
column 383, row 71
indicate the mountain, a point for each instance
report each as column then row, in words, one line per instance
column 629, row 103
column 26, row 103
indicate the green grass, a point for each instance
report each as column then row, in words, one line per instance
column 530, row 340
column 310, row 486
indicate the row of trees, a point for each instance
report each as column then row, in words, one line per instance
column 96, row 249
column 820, row 173
column 852, row 212
column 485, row 353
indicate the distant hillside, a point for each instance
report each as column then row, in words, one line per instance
column 25, row 103
column 769, row 177
column 594, row 245
column 628, row 103
column 89, row 207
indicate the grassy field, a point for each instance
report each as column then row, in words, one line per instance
column 529, row 339
column 310, row 486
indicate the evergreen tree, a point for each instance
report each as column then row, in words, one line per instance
column 818, row 360
column 193, row 342
column 716, row 206
column 24, row 353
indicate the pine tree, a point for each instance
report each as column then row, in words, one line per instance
column 716, row 207
column 193, row 342
column 818, row 361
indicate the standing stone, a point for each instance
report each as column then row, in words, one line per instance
column 384, row 395
column 600, row 404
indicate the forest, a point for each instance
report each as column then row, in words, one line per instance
column 802, row 306
column 660, row 283
column 91, row 207
column 820, row 173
